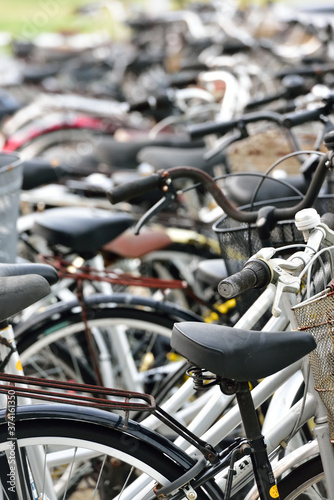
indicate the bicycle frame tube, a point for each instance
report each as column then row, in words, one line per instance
column 294, row 458
column 313, row 408
column 227, row 423
column 213, row 409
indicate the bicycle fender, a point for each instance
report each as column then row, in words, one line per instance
column 102, row 418
column 175, row 312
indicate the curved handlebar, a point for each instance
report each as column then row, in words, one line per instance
column 288, row 120
column 162, row 180
column 221, row 128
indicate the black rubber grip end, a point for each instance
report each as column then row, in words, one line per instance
column 255, row 274
column 125, row 192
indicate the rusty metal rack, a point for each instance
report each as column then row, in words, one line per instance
column 65, row 392
column 66, row 269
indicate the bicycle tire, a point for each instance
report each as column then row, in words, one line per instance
column 305, row 482
column 179, row 261
column 60, row 429
column 46, row 343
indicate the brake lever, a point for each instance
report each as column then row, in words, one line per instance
column 170, row 196
column 285, row 282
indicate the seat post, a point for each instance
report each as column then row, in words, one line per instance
column 247, row 410
column 263, row 473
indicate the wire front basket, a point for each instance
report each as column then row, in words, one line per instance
column 10, row 187
column 239, row 241
column 316, row 315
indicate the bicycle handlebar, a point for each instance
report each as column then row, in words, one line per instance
column 299, row 118
column 266, row 100
column 125, row 192
column 162, row 179
column 256, row 272
column 221, row 128
column 293, row 86
column 289, row 120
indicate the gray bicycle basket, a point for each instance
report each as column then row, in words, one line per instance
column 316, row 316
column 10, row 187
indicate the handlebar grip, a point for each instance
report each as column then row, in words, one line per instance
column 203, row 129
column 221, row 128
column 135, row 188
column 294, row 119
column 255, row 274
column 328, row 219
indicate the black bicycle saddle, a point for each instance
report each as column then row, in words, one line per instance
column 236, row 354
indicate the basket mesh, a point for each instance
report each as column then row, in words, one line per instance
column 239, row 241
column 10, row 186
column 246, row 155
column 316, row 315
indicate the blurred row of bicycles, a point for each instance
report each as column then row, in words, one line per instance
column 138, row 178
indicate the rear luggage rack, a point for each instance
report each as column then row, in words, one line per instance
column 64, row 392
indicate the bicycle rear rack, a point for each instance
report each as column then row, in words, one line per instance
column 93, row 396
column 67, row 269
column 64, row 392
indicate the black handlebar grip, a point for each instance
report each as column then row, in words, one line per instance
column 132, row 189
column 203, row 129
column 294, row 119
column 328, row 219
column 255, row 274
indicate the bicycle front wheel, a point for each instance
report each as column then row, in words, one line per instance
column 88, row 456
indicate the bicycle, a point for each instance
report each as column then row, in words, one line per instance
column 258, row 309
column 136, row 445
column 133, row 441
column 48, row 338
column 23, row 422
column 97, row 313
